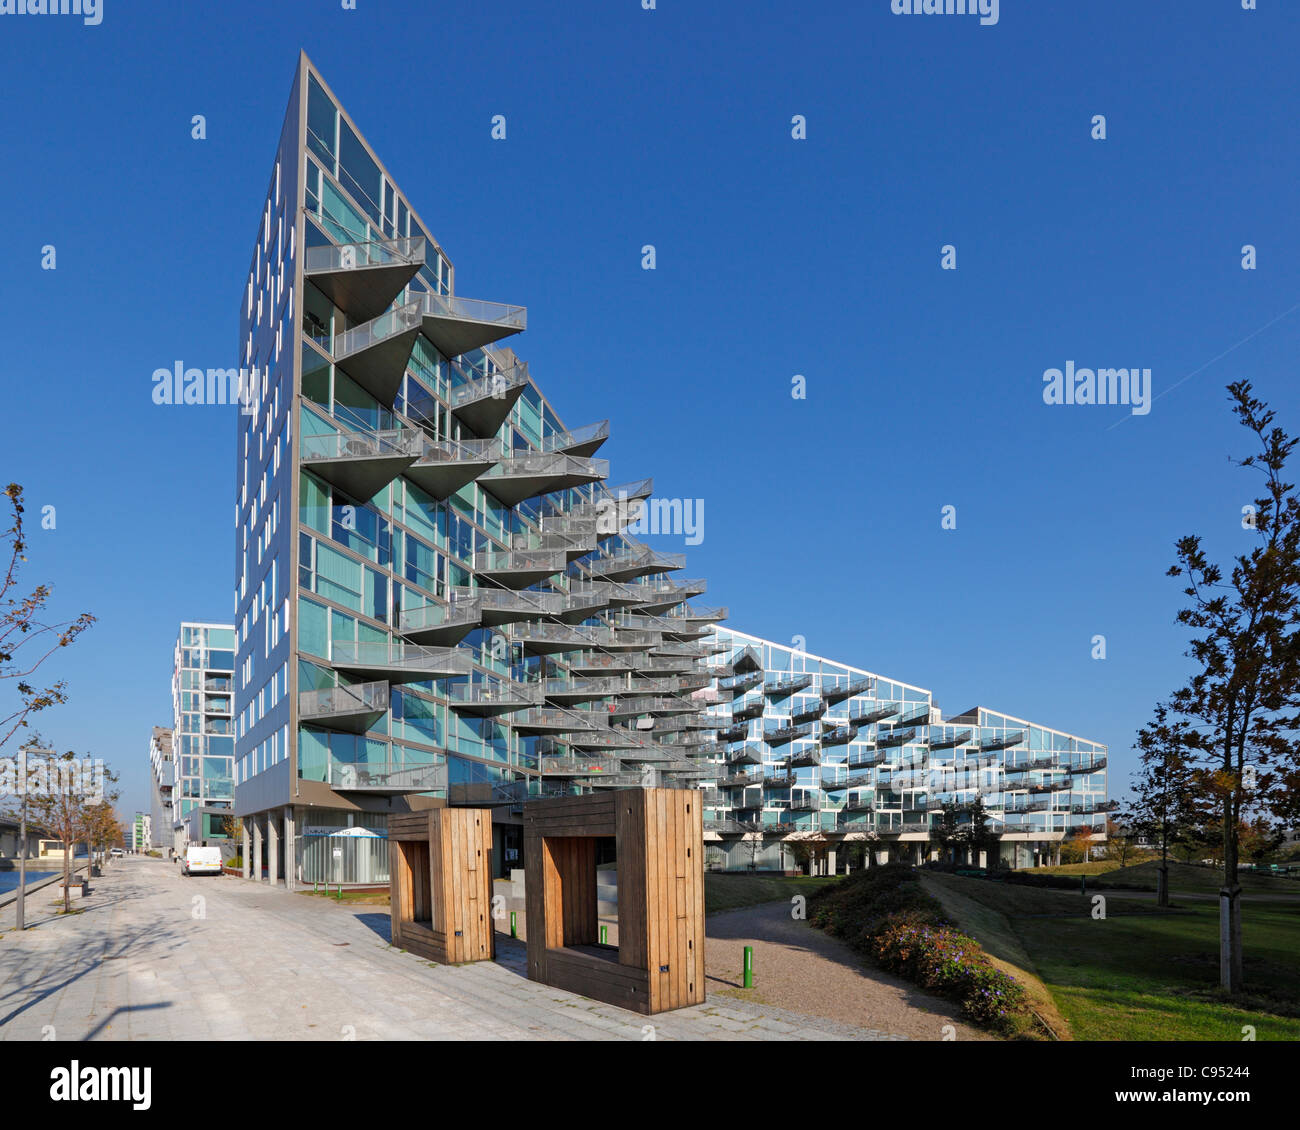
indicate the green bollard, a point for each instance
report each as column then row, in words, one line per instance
column 749, row 967
column 512, row 925
column 604, row 934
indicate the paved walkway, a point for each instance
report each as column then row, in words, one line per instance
column 798, row 966
column 154, row 956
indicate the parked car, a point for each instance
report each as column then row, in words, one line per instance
column 115, row 852
column 201, row 861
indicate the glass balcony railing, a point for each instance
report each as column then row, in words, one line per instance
column 395, row 656
column 513, row 319
column 494, row 696
column 587, row 438
column 344, row 702
column 356, row 256
column 838, row 691
column 388, row 444
column 780, row 688
column 375, row 332
column 385, row 777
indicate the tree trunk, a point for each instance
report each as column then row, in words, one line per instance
column 67, row 876
column 1230, row 963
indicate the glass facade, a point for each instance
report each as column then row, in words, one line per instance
column 202, row 750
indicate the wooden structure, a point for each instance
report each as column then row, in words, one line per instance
column 440, row 883
column 659, row 961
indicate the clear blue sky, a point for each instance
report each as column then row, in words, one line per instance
column 775, row 257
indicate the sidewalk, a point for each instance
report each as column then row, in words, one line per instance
column 155, row 956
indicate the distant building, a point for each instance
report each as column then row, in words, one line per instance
column 141, row 832
column 162, row 781
column 203, row 742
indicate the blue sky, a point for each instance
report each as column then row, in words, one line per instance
column 775, row 257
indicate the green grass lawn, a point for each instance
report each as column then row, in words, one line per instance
column 731, row 891
column 1141, row 974
column 1182, row 877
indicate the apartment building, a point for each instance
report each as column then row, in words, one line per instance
column 202, row 747
column 437, row 597
column 816, row 759
column 162, row 785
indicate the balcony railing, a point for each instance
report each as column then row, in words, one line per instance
column 385, row 777
column 1003, row 741
column 838, row 692
column 356, row 705
column 497, row 696
column 781, row 688
column 786, row 733
column 401, row 661
column 896, row 737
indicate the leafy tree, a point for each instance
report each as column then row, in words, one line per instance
column 62, row 803
column 1169, row 804
column 1241, row 707
column 945, row 833
column 975, row 833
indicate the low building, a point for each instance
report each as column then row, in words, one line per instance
column 818, row 763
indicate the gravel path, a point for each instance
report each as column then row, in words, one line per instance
column 806, row 971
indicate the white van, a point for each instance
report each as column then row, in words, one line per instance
column 201, row 861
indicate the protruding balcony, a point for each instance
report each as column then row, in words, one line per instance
column 874, row 713
column 583, row 442
column 856, row 781
column 611, row 737
column 808, row 712
column 663, row 593
column 583, row 690
column 743, row 684
column 572, row 765
column 398, row 662
column 838, row 692
column 803, row 759
column 529, row 474
column 741, row 780
column 556, row 720
column 786, row 686
column 859, row 804
column 627, row 565
column 375, row 354
column 1090, row 767
column 363, row 279
column 915, row 716
column 354, row 709
column 895, row 737
column 447, row 465
column 786, row 734
column 748, row 659
column 747, row 710
column 442, row 625
column 508, row 606
column 457, row 325
column 482, row 401
column 780, row 781
column 361, row 464
column 750, row 755
column 385, row 778
column 948, row 741
column 659, row 707
column 1003, row 741
column 805, row 803
column 487, row 697
column 518, row 568
column 838, row 735
column 538, row 638
column 737, row 733
column 603, row 663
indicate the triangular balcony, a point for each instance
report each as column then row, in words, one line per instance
column 458, row 325
column 529, row 474
column 375, row 354
column 398, row 662
column 353, row 709
column 447, row 465
column 483, row 401
column 441, row 625
column 361, row 464
column 363, row 279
